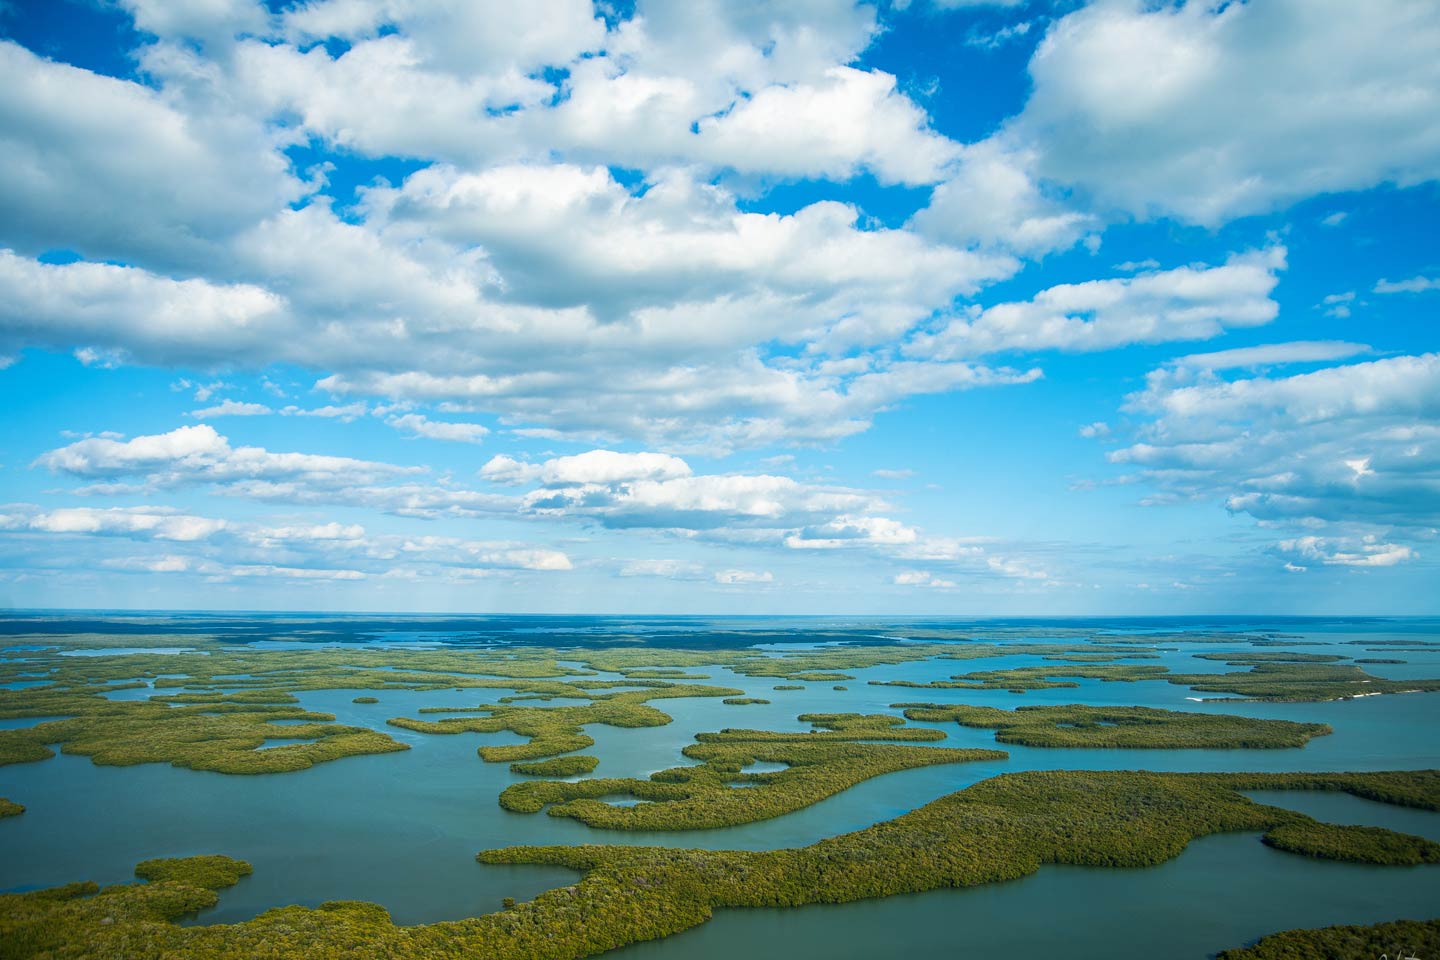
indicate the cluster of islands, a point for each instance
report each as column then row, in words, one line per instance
column 227, row 697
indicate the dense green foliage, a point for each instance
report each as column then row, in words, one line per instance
column 743, row 701
column 366, row 700
column 1265, row 680
column 999, row 829
column 1078, row 725
column 572, row 766
column 718, row 793
column 9, row 808
column 1396, row 940
column 1327, row 841
column 1301, row 682
column 201, row 731
column 789, row 686
column 212, row 872
column 552, row 730
column 1247, row 658
column 1020, row 679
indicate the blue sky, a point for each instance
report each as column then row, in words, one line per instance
column 807, row 307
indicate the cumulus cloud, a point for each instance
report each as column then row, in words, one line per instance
column 849, row 530
column 751, row 89
column 993, row 199
column 921, row 578
column 232, row 408
column 594, row 467
column 420, row 425
column 1134, row 104
column 849, row 120
column 136, row 522
column 1187, row 303
column 1354, row 444
column 115, row 169
column 227, row 549
column 1346, row 553
column 198, row 454
column 504, row 275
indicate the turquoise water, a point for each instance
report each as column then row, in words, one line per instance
column 402, row 829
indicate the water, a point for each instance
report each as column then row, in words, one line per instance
column 1223, row 891
column 402, row 829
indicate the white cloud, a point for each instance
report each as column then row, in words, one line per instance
column 1273, row 354
column 490, row 555
column 117, row 170
column 667, row 569
column 286, row 573
column 227, row 549
column 1413, row 285
column 1285, row 450
column 232, row 408
column 137, row 522
column 199, row 454
column 850, row 120
column 477, row 36
column 992, row 200
column 921, row 578
column 214, row 20
column 606, row 467
column 1135, row 104
column 150, row 318
column 1187, row 303
column 849, row 530
column 422, row 426
column 1345, row 553
column 759, row 89
column 742, row 577
column 346, row 413
column 169, row 563
column 328, row 532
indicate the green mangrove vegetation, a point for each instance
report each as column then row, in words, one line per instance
column 1020, row 679
column 9, row 808
column 1396, row 940
column 718, row 793
column 999, row 829
column 573, row 765
column 789, row 686
column 553, row 730
column 742, row 701
column 1246, row 658
column 1265, row 680
column 1301, row 682
column 1078, row 725
column 366, row 700
column 210, row 872
column 1355, row 844
column 203, row 732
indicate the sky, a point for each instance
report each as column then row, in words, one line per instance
column 721, row 306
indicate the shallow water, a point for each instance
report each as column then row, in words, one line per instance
column 402, row 829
